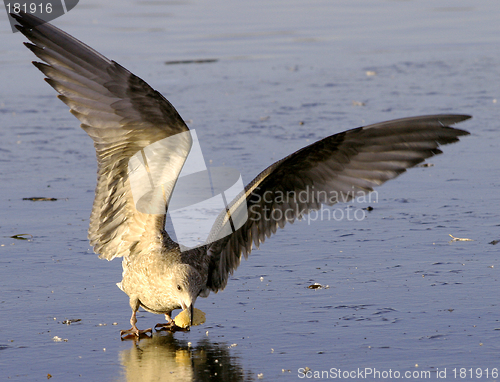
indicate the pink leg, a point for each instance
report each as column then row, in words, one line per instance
column 133, row 320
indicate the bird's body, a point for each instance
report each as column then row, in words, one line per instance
column 151, row 279
column 124, row 116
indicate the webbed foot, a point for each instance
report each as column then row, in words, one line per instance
column 134, row 333
column 170, row 326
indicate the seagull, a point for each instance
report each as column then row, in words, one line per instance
column 124, row 115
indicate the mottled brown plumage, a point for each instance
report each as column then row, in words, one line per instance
column 123, row 115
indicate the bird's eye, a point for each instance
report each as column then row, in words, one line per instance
column 179, row 287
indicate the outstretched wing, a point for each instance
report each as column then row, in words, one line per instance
column 337, row 168
column 124, row 116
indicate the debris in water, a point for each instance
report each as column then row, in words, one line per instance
column 22, row 236
column 71, row 321
column 59, row 339
column 318, row 286
column 199, row 61
column 459, row 239
column 494, row 242
column 40, row 199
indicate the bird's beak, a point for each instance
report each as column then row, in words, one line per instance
column 190, row 312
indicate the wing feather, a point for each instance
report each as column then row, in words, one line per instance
column 123, row 115
column 335, row 169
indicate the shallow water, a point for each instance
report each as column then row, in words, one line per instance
column 401, row 296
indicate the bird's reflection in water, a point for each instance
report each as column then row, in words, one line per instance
column 166, row 358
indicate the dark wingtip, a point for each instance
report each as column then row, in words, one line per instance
column 40, row 66
column 29, row 45
column 463, row 117
column 26, row 20
column 16, row 16
column 451, row 119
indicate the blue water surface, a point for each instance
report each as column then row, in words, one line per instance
column 401, row 296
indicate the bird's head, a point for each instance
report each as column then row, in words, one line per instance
column 186, row 286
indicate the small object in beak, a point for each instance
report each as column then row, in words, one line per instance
column 184, row 320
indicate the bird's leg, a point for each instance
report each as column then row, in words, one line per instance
column 133, row 320
column 167, row 325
